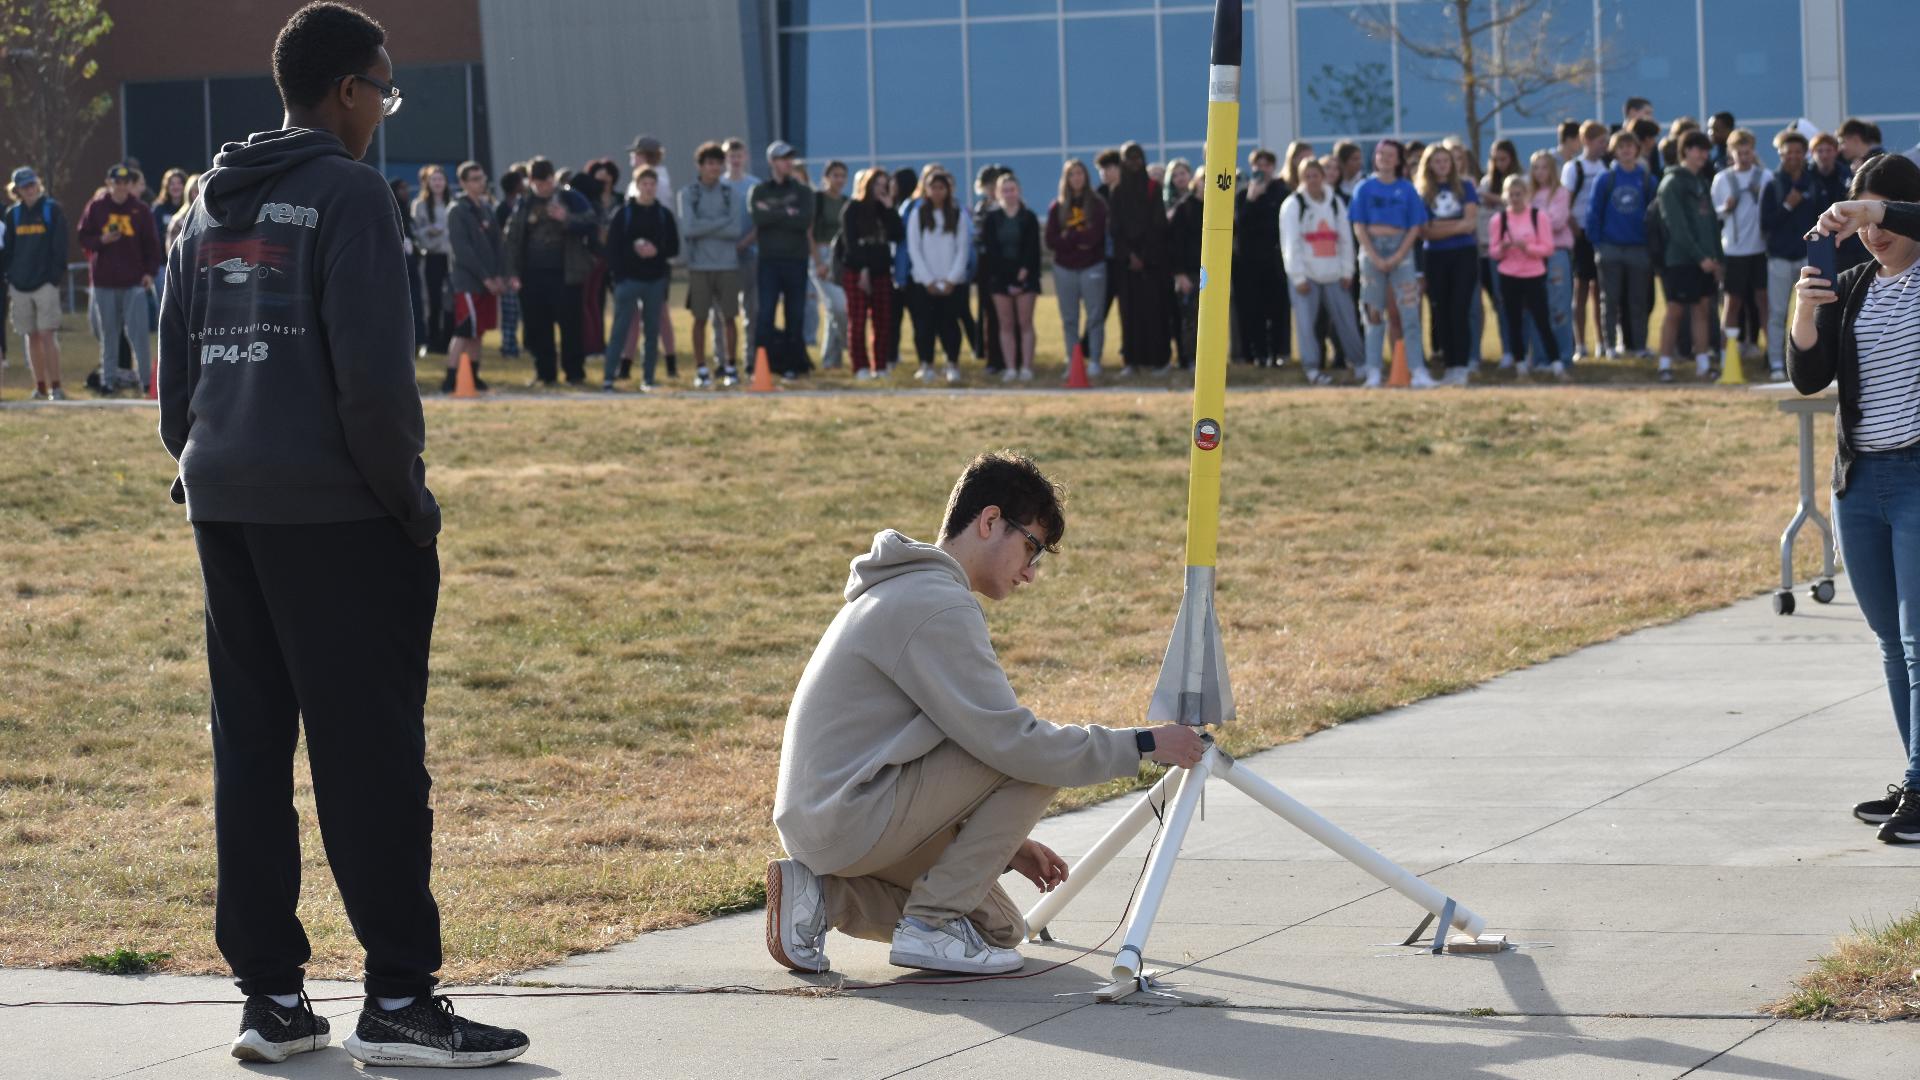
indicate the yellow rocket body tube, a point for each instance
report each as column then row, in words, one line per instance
column 1216, row 296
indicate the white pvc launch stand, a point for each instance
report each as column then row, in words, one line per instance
column 1127, row 962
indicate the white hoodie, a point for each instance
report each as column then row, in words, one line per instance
column 904, row 667
column 939, row 257
column 1315, row 242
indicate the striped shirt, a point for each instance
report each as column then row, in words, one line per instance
column 1887, row 332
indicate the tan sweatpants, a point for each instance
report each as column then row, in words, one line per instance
column 956, row 824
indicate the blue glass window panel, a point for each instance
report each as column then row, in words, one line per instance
column 918, row 107
column 1010, row 7
column 1566, row 27
column 1105, row 5
column 1899, row 136
column 1103, row 110
column 1430, row 94
column 433, row 126
column 1186, row 44
column 1659, row 56
column 822, row 12
column 1346, row 76
column 825, row 91
column 1015, row 83
column 167, row 126
column 1879, row 46
column 1753, row 69
column 906, row 10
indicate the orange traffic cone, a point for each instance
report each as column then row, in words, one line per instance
column 1077, row 370
column 153, row 385
column 762, row 371
column 1400, row 376
column 463, row 386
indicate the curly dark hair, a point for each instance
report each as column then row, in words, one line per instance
column 322, row 42
column 1011, row 481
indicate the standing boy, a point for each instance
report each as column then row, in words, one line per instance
column 288, row 397
column 1692, row 255
column 474, row 234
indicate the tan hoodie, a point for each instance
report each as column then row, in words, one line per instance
column 905, row 666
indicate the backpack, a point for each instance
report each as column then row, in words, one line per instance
column 1656, row 233
column 1533, row 212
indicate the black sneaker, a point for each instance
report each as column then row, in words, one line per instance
column 1877, row 811
column 1666, row 374
column 673, row 366
column 626, row 367
column 428, row 1033
column 1904, row 826
column 447, row 384
column 272, row 1032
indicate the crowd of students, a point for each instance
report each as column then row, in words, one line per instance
column 1566, row 246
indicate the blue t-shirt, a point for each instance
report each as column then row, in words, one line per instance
column 1447, row 206
column 1398, row 204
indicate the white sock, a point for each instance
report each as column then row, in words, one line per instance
column 1732, row 333
column 1702, row 361
column 390, row 1004
column 1666, row 363
column 285, row 1001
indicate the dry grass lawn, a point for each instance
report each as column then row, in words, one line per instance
column 1873, row 975
column 632, row 588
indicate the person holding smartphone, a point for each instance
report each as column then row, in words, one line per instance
column 1862, row 329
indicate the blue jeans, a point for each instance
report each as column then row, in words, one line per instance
column 783, row 283
column 651, row 298
column 1879, row 520
column 1401, row 289
column 1560, row 303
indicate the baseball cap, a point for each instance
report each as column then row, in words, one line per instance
column 23, row 176
column 779, row 148
column 644, row 144
column 119, row 172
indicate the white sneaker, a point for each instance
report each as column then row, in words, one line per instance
column 1373, row 378
column 925, row 374
column 1026, row 374
column 1093, row 369
column 1008, row 374
column 1522, row 370
column 1126, row 371
column 1777, row 374
column 1506, row 363
column 1560, row 372
column 953, row 373
column 796, row 917
column 1422, row 380
column 1579, row 353
column 1316, row 377
column 956, row 947
column 863, row 374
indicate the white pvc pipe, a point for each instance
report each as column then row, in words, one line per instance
column 1127, row 962
column 1097, row 857
column 1390, row 873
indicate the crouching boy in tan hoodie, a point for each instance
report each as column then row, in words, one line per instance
column 910, row 776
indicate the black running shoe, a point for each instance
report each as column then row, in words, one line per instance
column 447, row 384
column 1877, row 811
column 428, row 1033
column 272, row 1032
column 1904, row 826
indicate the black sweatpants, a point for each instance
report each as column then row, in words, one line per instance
column 437, row 268
column 1261, row 307
column 1144, row 341
column 1521, row 297
column 547, row 302
column 1453, row 287
column 330, row 625
column 938, row 316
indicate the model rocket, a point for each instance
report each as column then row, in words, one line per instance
column 1193, row 687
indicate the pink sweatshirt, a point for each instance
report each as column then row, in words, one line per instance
column 1520, row 249
column 1558, row 206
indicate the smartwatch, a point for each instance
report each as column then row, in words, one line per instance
column 1144, row 740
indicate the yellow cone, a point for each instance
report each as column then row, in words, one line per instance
column 1731, row 373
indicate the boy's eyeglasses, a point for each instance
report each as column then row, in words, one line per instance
column 1039, row 549
column 389, row 93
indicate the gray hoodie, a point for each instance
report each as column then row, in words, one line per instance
column 287, row 387
column 712, row 221
column 905, row 666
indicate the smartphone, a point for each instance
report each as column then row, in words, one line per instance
column 1823, row 255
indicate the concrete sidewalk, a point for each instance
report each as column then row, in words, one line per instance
column 1660, row 822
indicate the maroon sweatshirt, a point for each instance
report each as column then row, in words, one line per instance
column 137, row 254
column 1078, row 238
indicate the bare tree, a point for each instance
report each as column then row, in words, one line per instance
column 1354, row 97
column 47, row 107
column 1500, row 56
